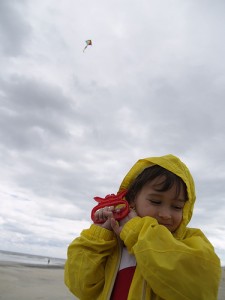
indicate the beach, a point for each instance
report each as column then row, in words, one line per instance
column 222, row 286
column 20, row 281
column 32, row 282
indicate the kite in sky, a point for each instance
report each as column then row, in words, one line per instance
column 88, row 43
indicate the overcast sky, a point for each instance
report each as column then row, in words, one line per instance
column 72, row 123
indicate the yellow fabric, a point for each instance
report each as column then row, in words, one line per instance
column 179, row 266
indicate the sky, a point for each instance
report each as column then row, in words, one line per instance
column 72, row 123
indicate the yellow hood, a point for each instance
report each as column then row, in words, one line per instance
column 175, row 165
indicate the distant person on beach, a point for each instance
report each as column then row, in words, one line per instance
column 150, row 253
column 48, row 261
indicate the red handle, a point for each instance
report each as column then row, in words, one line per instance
column 121, row 206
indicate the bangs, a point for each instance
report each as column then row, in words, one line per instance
column 169, row 179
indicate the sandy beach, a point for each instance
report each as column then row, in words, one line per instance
column 37, row 282
column 222, row 286
column 32, row 282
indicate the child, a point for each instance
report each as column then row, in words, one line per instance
column 150, row 253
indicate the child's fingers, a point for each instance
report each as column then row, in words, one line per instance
column 115, row 226
column 103, row 217
column 104, row 213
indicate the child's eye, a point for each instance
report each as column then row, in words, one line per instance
column 178, row 207
column 155, row 202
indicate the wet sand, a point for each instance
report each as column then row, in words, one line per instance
column 38, row 282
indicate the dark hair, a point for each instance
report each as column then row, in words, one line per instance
column 150, row 174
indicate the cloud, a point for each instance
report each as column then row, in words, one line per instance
column 14, row 28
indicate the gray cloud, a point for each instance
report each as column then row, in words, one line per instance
column 14, row 29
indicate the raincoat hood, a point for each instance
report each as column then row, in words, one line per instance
column 176, row 166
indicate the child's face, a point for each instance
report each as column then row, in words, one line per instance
column 165, row 207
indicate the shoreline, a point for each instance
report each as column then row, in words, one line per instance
column 29, row 265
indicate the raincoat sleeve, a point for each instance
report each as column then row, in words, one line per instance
column 174, row 269
column 86, row 258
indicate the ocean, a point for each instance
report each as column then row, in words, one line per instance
column 8, row 256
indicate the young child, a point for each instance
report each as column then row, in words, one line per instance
column 150, row 253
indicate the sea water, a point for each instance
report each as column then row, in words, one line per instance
column 30, row 259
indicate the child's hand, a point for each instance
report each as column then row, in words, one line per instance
column 118, row 204
column 104, row 215
column 118, row 226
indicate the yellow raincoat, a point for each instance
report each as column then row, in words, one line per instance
column 172, row 266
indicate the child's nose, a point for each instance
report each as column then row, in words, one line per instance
column 164, row 213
